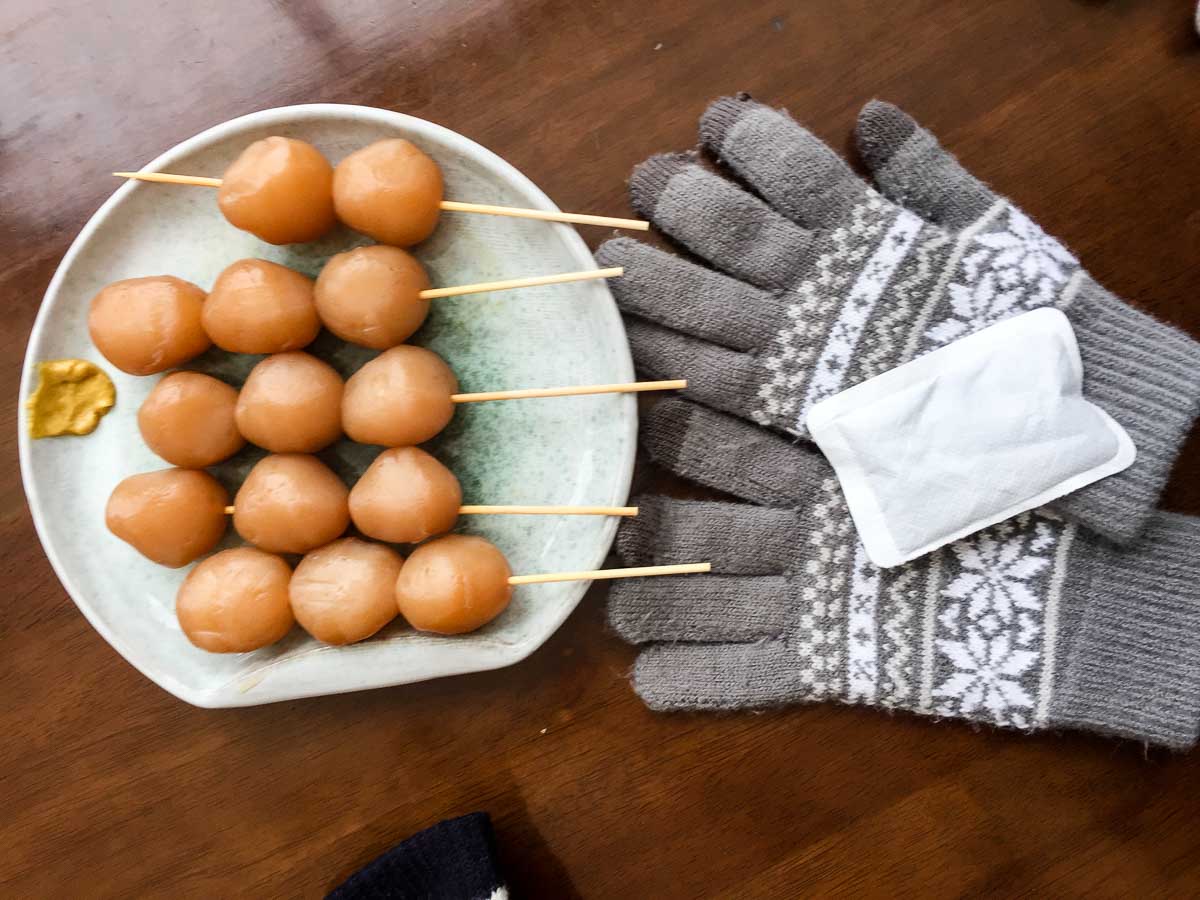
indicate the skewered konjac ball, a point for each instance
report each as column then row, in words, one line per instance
column 372, row 296
column 291, row 503
column 405, row 496
column 400, row 398
column 345, row 591
column 188, row 420
column 291, row 403
column 171, row 516
column 390, row 191
column 279, row 189
column 257, row 306
column 235, row 601
column 453, row 584
column 148, row 325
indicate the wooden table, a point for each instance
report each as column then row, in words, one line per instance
column 1087, row 113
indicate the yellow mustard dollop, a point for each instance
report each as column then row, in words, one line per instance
column 71, row 397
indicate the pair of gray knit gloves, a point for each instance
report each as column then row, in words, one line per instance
column 1082, row 615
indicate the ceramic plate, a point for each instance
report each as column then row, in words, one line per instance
column 563, row 450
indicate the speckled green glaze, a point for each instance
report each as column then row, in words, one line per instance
column 562, row 450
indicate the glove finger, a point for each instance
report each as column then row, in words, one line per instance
column 717, row 376
column 690, row 298
column 719, row 676
column 913, row 170
column 732, row 455
column 712, row 608
column 793, row 169
column 738, row 539
column 715, row 219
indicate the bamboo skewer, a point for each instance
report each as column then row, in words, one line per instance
column 572, row 391
column 447, row 205
column 531, row 281
column 534, row 510
column 545, row 215
column 606, row 574
column 548, row 510
column 167, row 178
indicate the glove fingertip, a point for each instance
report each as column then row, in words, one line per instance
column 721, row 116
column 635, row 537
column 913, row 170
column 624, row 611
column 651, row 177
column 615, row 251
column 666, row 424
column 881, row 131
column 650, row 681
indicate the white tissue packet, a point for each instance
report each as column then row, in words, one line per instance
column 966, row 436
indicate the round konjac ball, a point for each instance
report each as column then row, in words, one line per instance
column 390, row 191
column 257, row 306
column 235, row 601
column 400, row 398
column 171, row 516
column 188, row 420
column 279, row 189
column 405, row 496
column 345, row 591
column 454, row 584
column 371, row 296
column 148, row 325
column 291, row 403
column 291, row 503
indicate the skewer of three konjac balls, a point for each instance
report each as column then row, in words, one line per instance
column 244, row 599
column 375, row 296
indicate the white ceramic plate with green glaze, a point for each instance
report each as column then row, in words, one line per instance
column 565, row 450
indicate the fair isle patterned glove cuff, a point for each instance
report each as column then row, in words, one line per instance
column 1130, row 662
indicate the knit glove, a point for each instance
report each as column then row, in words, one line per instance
column 830, row 282
column 1033, row 623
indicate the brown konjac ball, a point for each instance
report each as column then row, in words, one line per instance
column 390, row 191
column 453, row 584
column 291, row 503
column 291, row 403
column 188, row 420
column 171, row 516
column 345, row 591
column 405, row 496
column 279, row 189
column 371, row 296
column 257, row 306
column 235, row 601
column 400, row 398
column 148, row 325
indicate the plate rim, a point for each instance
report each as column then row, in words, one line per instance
column 228, row 694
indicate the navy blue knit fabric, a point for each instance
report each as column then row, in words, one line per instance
column 452, row 860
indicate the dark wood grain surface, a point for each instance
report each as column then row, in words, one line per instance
column 1086, row 113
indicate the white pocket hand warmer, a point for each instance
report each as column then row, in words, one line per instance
column 967, row 436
